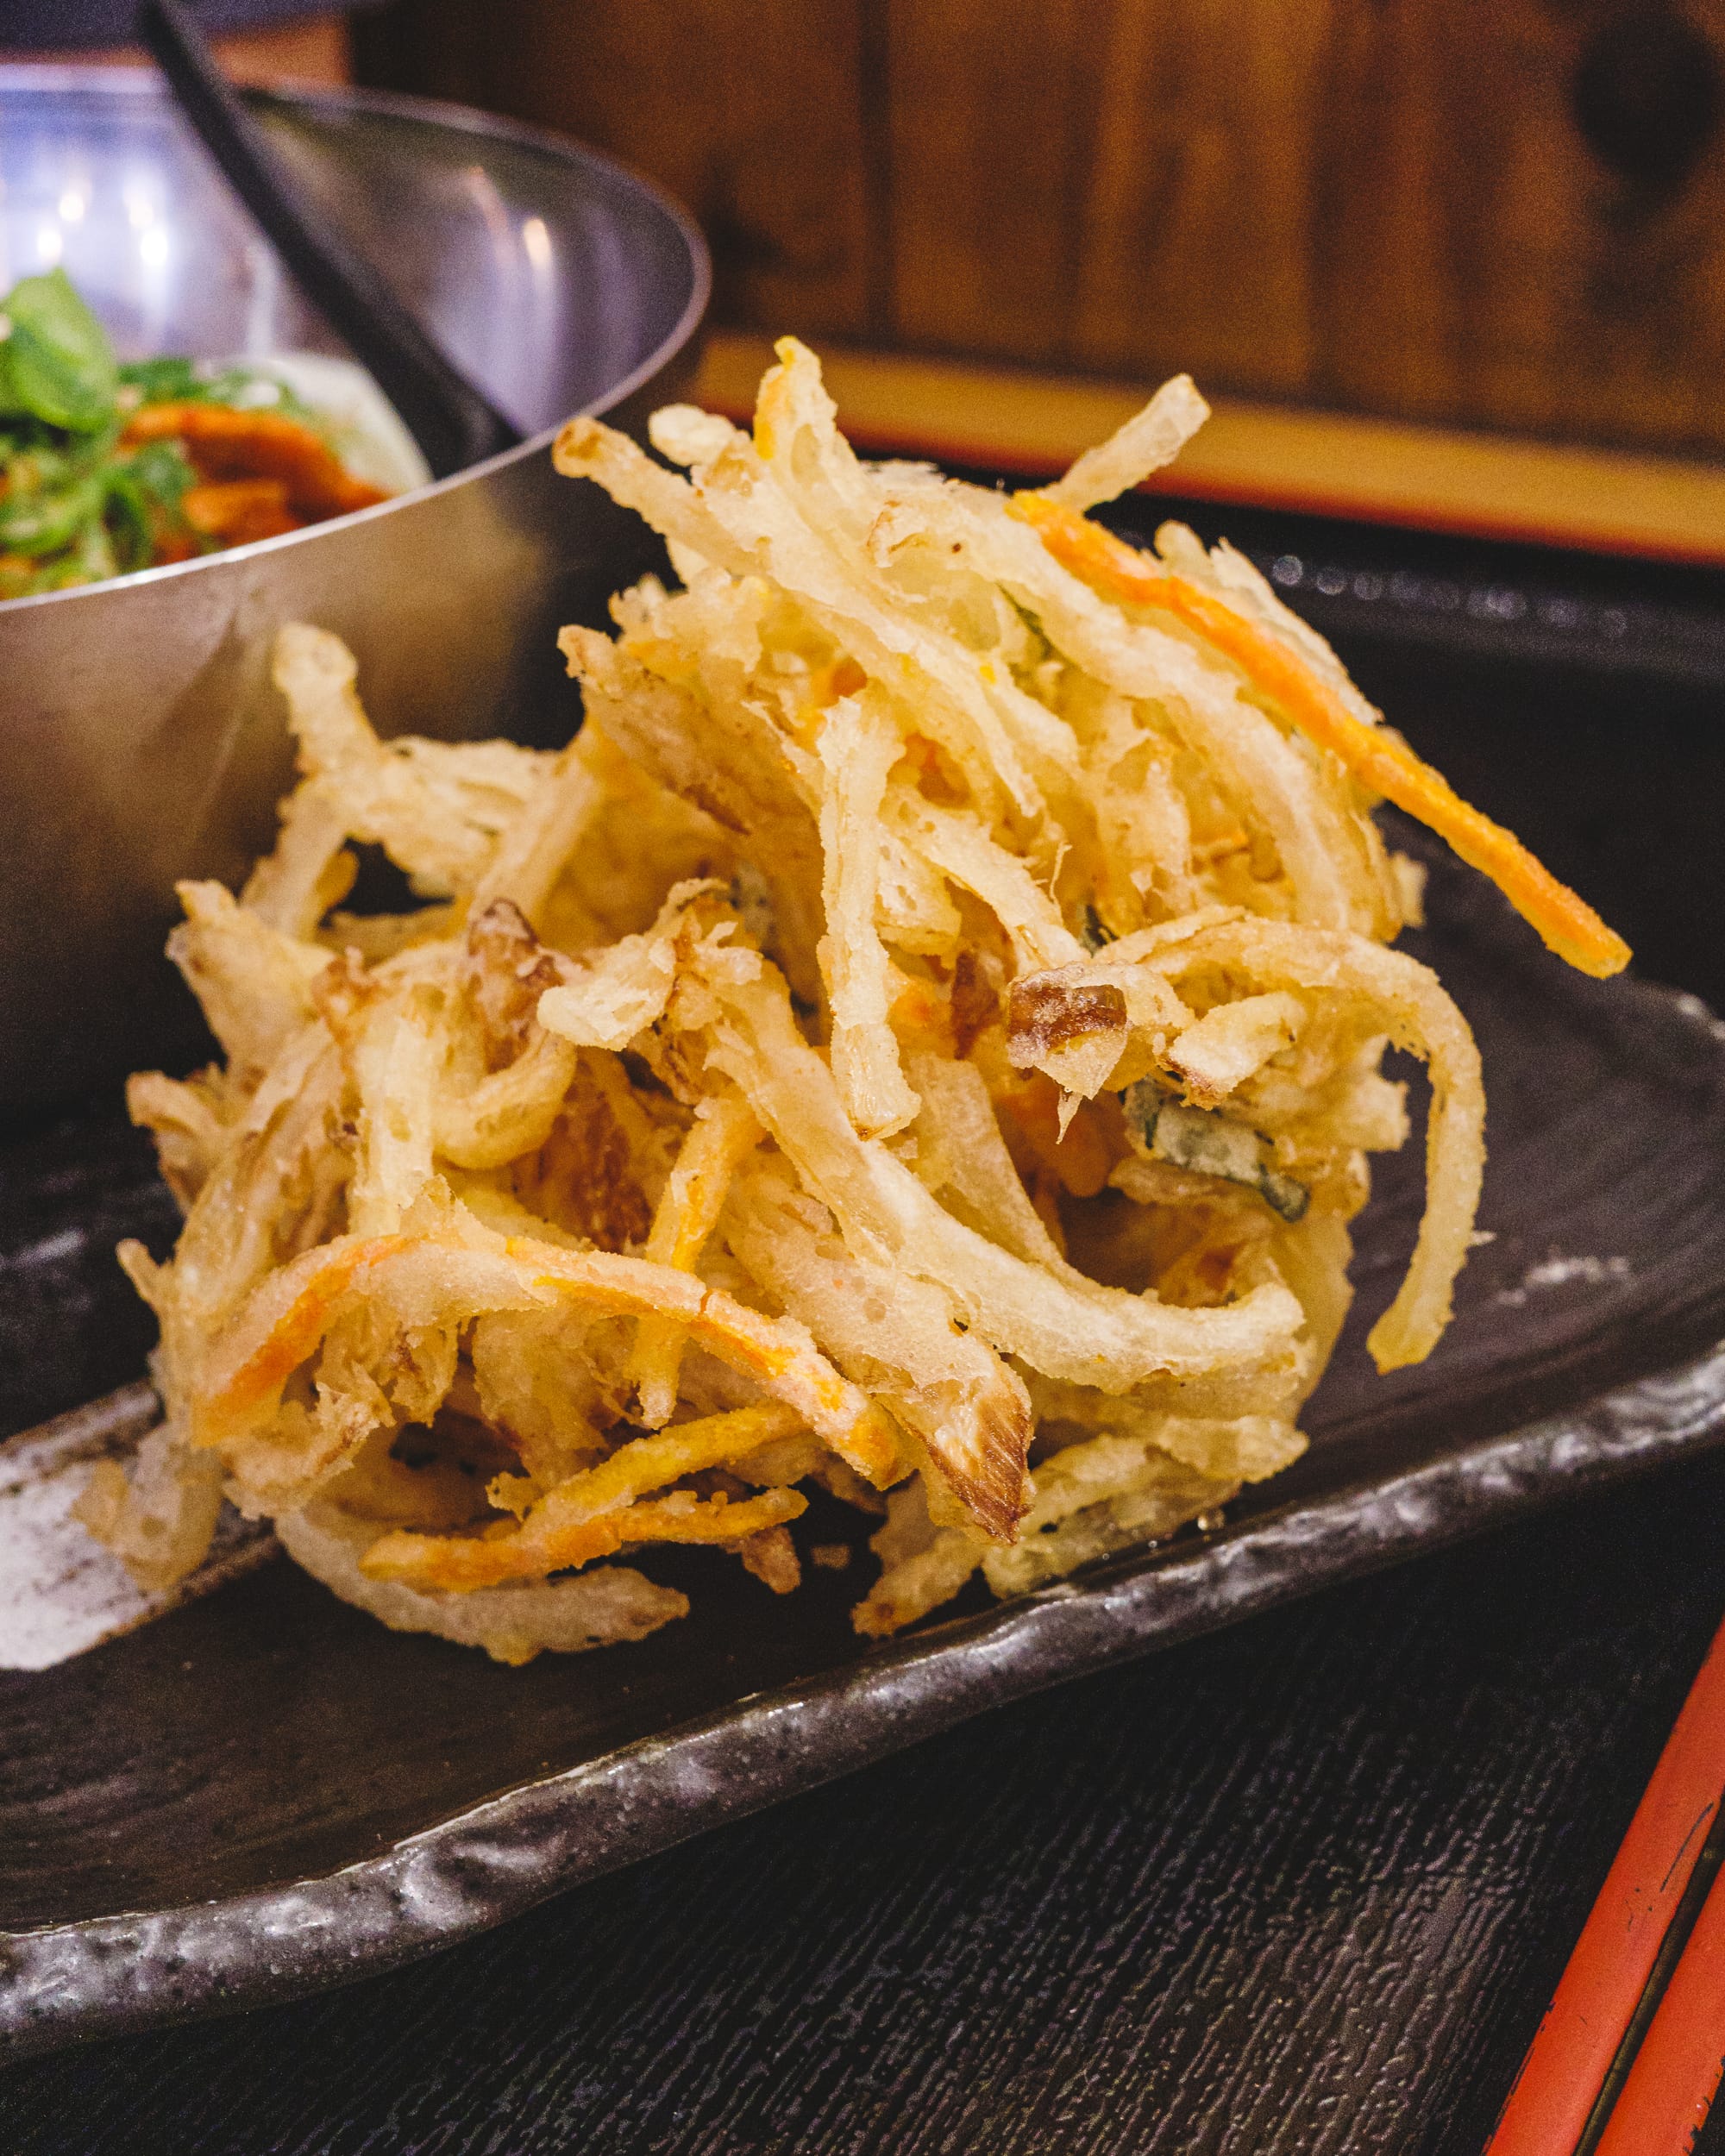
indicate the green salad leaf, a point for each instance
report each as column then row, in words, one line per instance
column 170, row 381
column 40, row 523
column 153, row 478
column 56, row 363
column 77, row 502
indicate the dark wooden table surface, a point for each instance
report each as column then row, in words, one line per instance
column 1302, row 1886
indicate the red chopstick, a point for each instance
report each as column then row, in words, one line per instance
column 1558, row 2089
column 1676, row 2073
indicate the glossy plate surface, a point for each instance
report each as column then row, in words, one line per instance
column 292, row 1797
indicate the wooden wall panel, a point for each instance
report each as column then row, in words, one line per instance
column 1122, row 186
column 1393, row 206
column 987, row 140
column 752, row 116
column 1477, row 260
column 1196, row 215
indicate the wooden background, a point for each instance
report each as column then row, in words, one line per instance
column 1496, row 212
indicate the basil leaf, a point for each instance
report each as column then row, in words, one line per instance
column 58, row 363
column 1091, row 933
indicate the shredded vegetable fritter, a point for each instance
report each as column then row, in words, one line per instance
column 918, row 1046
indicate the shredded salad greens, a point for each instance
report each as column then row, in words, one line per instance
column 107, row 468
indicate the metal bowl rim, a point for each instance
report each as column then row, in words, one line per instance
column 392, row 104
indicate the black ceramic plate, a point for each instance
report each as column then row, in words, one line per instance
column 265, row 1792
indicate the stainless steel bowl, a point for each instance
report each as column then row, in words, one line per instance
column 140, row 740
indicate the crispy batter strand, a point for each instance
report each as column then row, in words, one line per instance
column 458, row 1564
column 724, row 1132
column 289, row 1315
column 593, row 1514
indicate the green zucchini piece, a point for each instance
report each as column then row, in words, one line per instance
column 1205, row 1142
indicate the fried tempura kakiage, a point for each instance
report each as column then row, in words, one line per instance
column 920, row 1040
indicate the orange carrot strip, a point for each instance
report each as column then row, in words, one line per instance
column 227, row 444
column 459, row 1563
column 1375, row 757
column 1084, row 1158
column 290, row 1314
column 283, row 1321
column 218, row 507
column 260, row 523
